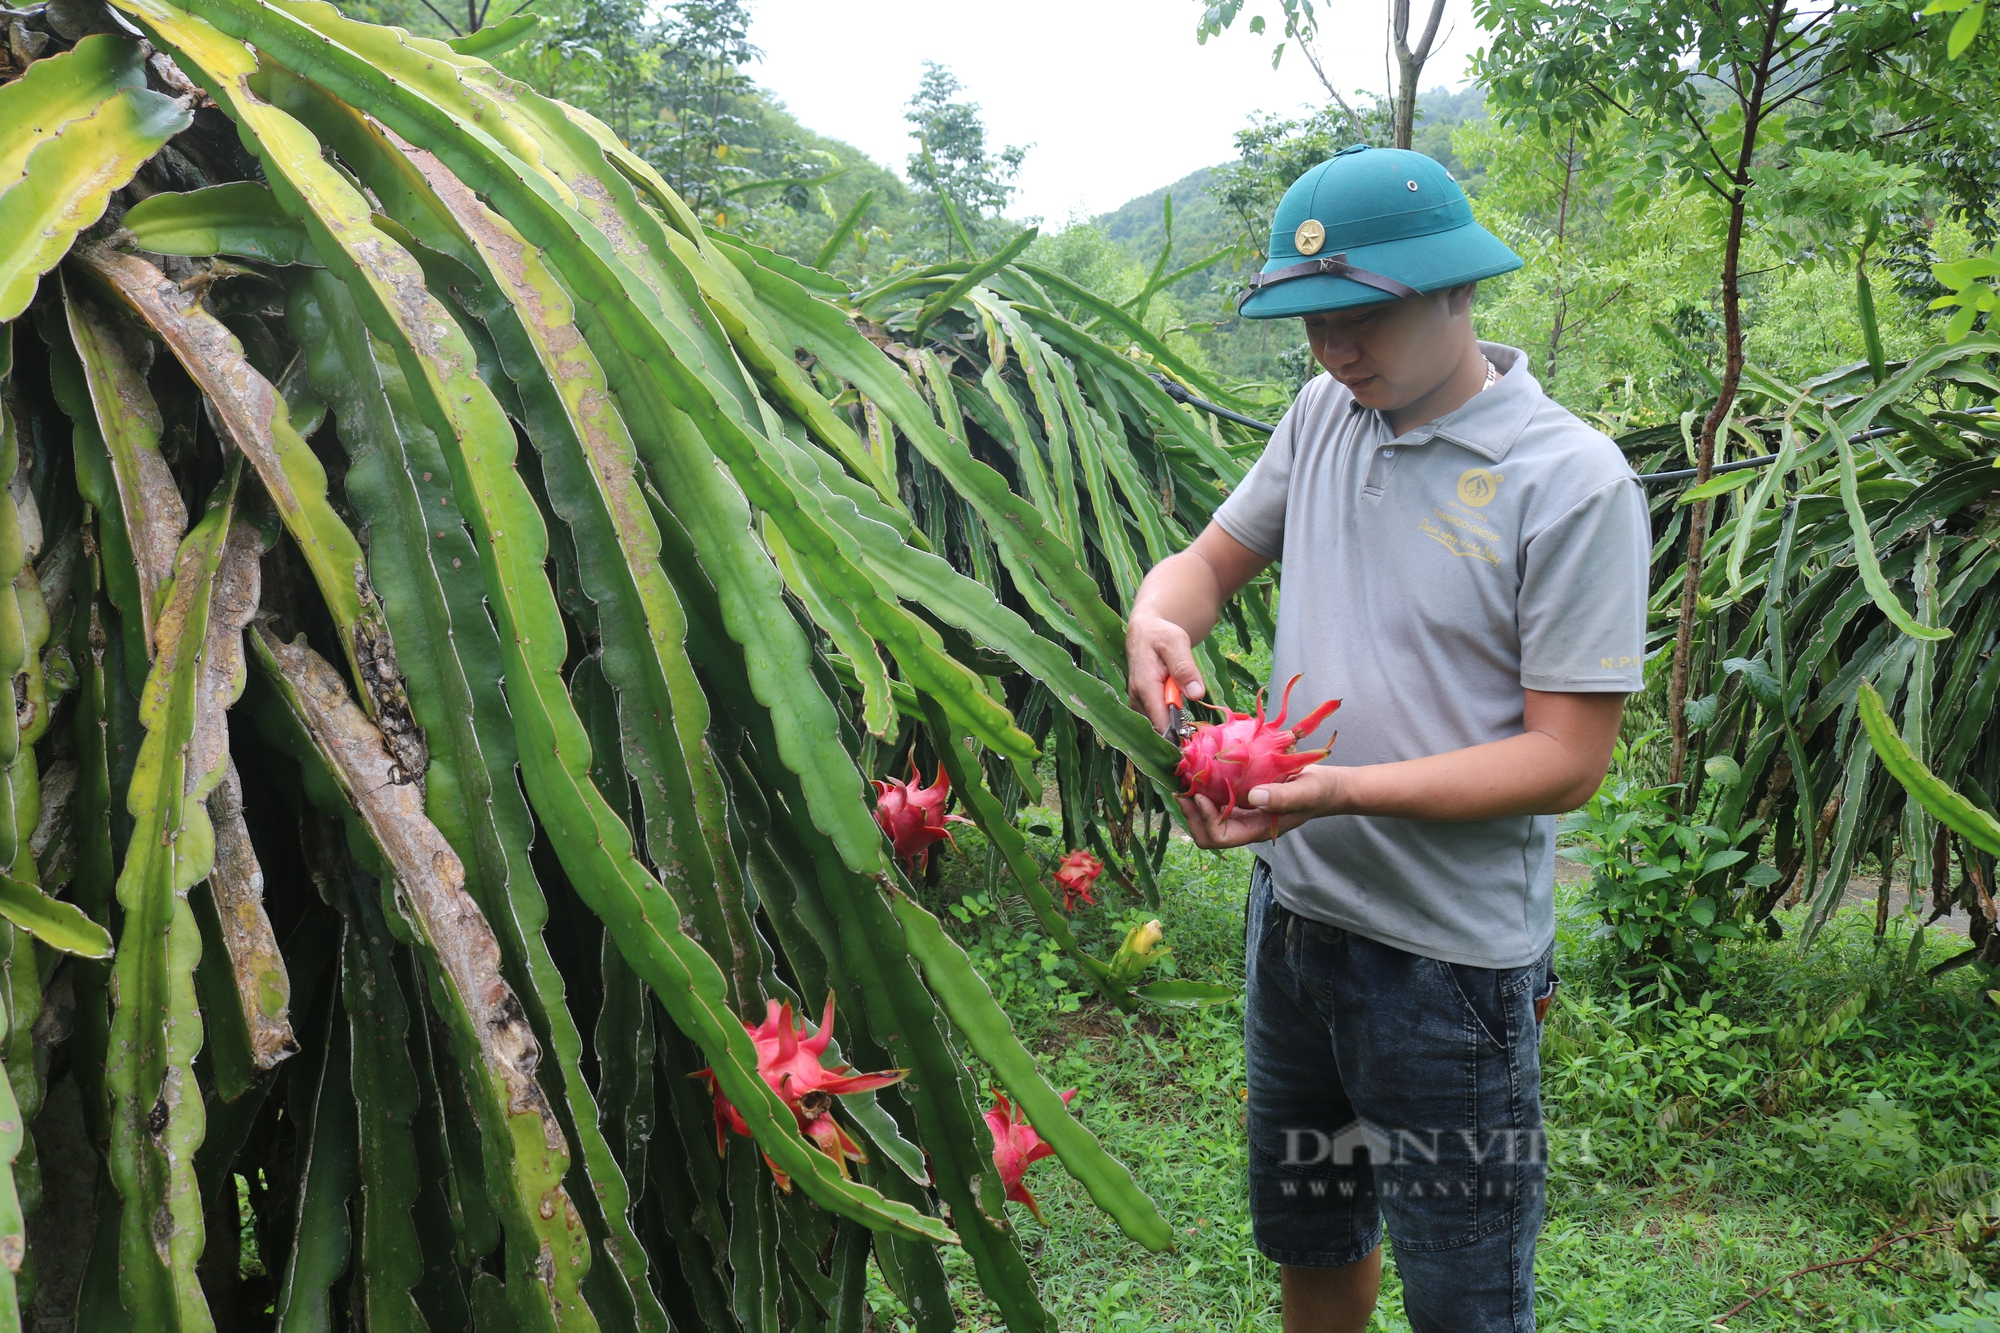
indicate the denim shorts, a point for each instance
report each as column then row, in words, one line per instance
column 1389, row 1086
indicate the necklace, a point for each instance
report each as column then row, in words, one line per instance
column 1492, row 372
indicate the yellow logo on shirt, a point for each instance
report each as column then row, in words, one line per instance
column 1457, row 542
column 1476, row 486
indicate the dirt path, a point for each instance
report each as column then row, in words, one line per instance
column 1861, row 895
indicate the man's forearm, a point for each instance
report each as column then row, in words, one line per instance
column 1529, row 774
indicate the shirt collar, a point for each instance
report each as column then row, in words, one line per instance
column 1489, row 422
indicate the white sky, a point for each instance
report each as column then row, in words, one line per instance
column 1114, row 95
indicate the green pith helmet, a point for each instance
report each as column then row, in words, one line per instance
column 1371, row 225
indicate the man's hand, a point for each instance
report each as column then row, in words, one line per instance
column 1156, row 648
column 1175, row 609
column 1281, row 807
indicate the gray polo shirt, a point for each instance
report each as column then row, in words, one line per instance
column 1427, row 580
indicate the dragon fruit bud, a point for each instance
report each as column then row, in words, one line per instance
column 1140, row 951
column 912, row 817
column 1016, row 1147
column 1224, row 760
column 790, row 1063
column 1076, row 876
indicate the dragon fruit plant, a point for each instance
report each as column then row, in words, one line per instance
column 790, row 1064
column 1076, row 876
column 1225, row 760
column 1016, row 1147
column 620, row 535
column 912, row 817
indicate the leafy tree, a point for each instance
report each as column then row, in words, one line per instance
column 1724, row 94
column 437, row 18
column 1272, row 152
column 1965, row 28
column 700, row 149
column 1948, row 131
column 602, row 54
column 1617, row 305
column 674, row 85
column 1596, row 276
column 962, row 182
column 855, row 217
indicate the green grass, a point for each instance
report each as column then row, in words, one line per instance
column 1696, row 1156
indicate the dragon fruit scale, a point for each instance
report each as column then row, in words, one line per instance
column 912, row 816
column 1224, row 760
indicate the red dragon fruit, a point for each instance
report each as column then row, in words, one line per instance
column 1224, row 760
column 913, row 816
column 789, row 1062
column 1076, row 876
column 1016, row 1147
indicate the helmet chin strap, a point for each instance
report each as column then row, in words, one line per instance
column 1335, row 266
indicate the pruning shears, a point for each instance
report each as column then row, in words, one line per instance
column 1179, row 729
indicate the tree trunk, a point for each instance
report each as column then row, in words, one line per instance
column 1408, row 71
column 1732, row 376
column 1409, row 64
column 1562, row 291
column 1882, row 890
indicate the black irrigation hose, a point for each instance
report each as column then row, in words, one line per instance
column 1181, row 395
column 1737, row 466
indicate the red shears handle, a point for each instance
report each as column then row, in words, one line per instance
column 1178, row 726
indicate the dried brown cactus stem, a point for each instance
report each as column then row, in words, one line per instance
column 250, row 414
column 246, row 986
column 382, row 678
column 430, row 879
column 236, row 885
column 525, row 1162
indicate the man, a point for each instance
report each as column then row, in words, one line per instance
column 1464, row 566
